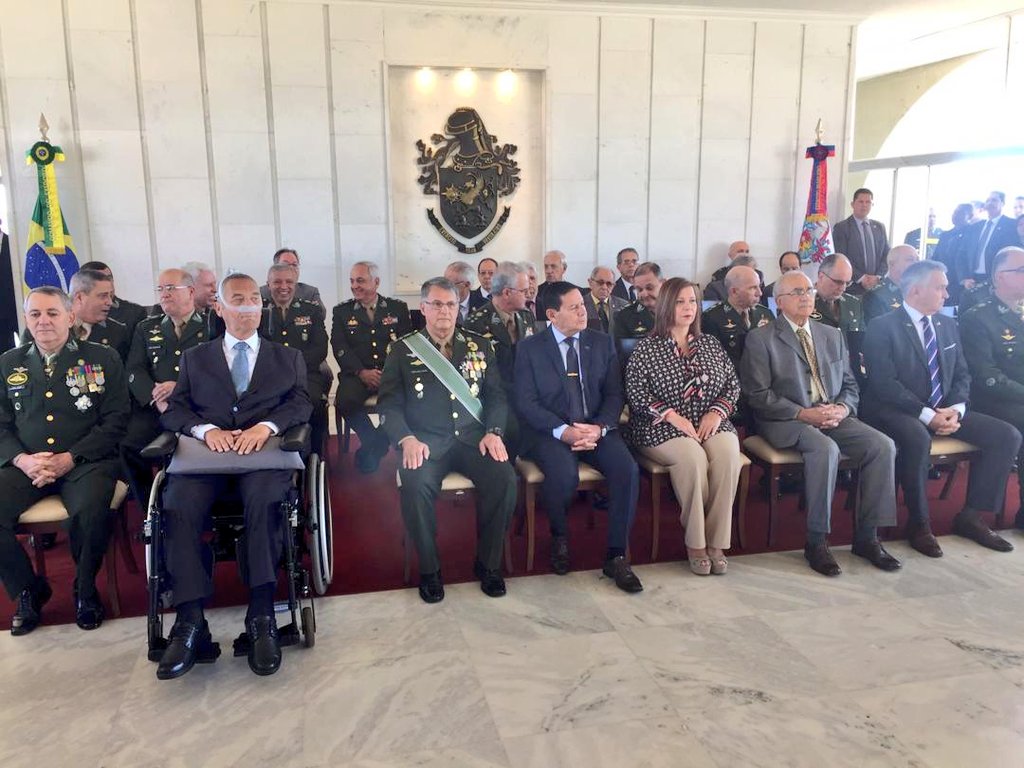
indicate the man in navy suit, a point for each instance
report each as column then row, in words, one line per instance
column 863, row 241
column 569, row 393
column 485, row 270
column 983, row 240
column 233, row 394
column 626, row 262
column 918, row 386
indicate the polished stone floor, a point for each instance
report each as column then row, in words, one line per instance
column 771, row 665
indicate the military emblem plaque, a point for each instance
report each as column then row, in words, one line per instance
column 468, row 171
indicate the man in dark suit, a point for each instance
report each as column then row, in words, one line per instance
column 863, row 241
column 442, row 403
column 460, row 274
column 554, row 272
column 601, row 304
column 233, row 395
column 983, row 240
column 949, row 246
column 886, row 296
column 796, row 375
column 918, row 386
column 63, row 407
column 361, row 331
column 993, row 335
column 303, row 291
column 913, row 237
column 789, row 261
column 626, row 262
column 484, row 273
column 569, row 395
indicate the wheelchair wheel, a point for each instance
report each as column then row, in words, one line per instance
column 320, row 525
column 308, row 627
column 154, row 498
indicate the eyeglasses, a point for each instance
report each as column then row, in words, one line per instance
column 437, row 306
column 843, row 283
column 169, row 288
column 799, row 292
column 518, row 290
column 1016, row 270
column 603, row 283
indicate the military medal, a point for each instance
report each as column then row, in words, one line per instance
column 474, row 389
column 83, row 403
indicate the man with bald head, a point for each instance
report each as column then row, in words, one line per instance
column 736, row 249
column 554, row 270
column 601, row 305
column 993, row 339
column 796, row 376
column 741, row 312
column 886, row 296
column 153, row 362
column 834, row 307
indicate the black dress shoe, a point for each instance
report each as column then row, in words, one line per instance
column 264, row 645
column 920, row 537
column 88, row 612
column 185, row 644
column 560, row 555
column 971, row 526
column 491, row 582
column 431, row 587
column 875, row 553
column 29, row 612
column 821, row 560
column 617, row 568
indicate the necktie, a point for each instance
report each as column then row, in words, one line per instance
column 83, row 333
column 931, row 351
column 632, row 293
column 817, row 386
column 577, row 410
column 869, row 248
column 178, row 327
column 369, row 313
column 602, row 312
column 511, row 326
column 746, row 318
column 986, row 234
column 240, row 367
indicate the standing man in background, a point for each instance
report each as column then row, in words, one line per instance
column 863, row 241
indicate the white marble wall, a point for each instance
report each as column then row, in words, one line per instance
column 221, row 129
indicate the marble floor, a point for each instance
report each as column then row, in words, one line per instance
column 771, row 665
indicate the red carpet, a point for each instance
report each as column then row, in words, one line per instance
column 368, row 538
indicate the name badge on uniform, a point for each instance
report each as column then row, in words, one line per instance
column 304, row 320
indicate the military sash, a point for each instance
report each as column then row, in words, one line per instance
column 446, row 373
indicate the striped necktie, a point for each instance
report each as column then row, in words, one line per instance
column 931, row 351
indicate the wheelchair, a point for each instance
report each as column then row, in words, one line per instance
column 308, row 535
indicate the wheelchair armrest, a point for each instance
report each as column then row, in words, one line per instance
column 161, row 447
column 296, row 438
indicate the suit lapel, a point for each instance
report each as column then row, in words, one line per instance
column 260, row 369
column 587, row 365
column 219, row 365
column 785, row 333
column 911, row 334
column 947, row 357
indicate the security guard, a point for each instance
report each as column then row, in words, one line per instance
column 887, row 296
column 442, row 403
column 301, row 324
column 841, row 310
column 63, row 408
column 153, row 362
column 742, row 311
column 993, row 337
column 128, row 313
column 505, row 321
column 362, row 329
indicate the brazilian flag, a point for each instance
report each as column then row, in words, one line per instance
column 50, row 259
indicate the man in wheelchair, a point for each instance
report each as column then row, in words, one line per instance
column 232, row 394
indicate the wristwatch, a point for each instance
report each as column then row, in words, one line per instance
column 496, row 431
column 604, row 431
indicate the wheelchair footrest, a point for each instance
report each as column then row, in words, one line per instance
column 288, row 635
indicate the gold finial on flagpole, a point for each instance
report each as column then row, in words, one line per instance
column 43, row 126
column 818, row 132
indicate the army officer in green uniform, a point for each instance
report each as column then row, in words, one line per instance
column 887, row 296
column 63, row 408
column 505, row 321
column 361, row 331
column 637, row 319
column 841, row 310
column 993, row 339
column 300, row 324
column 157, row 346
column 742, row 311
column 443, row 404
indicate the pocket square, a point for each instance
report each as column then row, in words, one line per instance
column 951, row 346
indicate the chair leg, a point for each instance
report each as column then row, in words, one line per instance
column 773, row 505
column 531, row 511
column 508, row 554
column 741, row 506
column 40, row 555
column 405, row 555
column 655, row 514
column 949, row 481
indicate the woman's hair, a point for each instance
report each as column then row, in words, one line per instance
column 665, row 309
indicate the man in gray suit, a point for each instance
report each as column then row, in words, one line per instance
column 600, row 303
column 863, row 241
column 303, row 291
column 796, row 375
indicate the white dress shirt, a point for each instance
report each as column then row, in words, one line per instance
column 927, row 413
